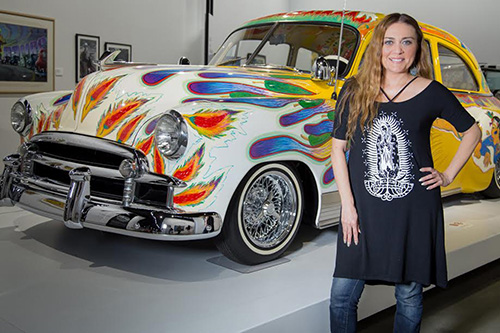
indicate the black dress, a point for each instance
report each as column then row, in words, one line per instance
column 401, row 223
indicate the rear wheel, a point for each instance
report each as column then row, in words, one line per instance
column 493, row 191
column 263, row 216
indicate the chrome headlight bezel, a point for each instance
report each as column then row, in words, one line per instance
column 171, row 136
column 21, row 117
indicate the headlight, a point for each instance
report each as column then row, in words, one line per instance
column 171, row 135
column 20, row 117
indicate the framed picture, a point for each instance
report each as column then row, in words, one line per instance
column 87, row 55
column 26, row 53
column 126, row 51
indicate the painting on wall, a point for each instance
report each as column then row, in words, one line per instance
column 126, row 51
column 26, row 53
column 87, row 55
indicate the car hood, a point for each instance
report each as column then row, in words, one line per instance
column 115, row 103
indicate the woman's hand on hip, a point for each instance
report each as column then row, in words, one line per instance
column 350, row 225
column 434, row 178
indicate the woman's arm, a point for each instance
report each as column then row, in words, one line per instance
column 349, row 216
column 469, row 141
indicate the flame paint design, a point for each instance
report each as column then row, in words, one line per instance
column 355, row 18
column 77, row 95
column 145, row 145
column 210, row 123
column 324, row 127
column 129, row 128
column 283, row 144
column 41, row 122
column 62, row 100
column 118, row 113
column 150, row 128
column 57, row 114
column 158, row 162
column 273, row 103
column 328, row 176
column 157, row 77
column 97, row 93
column 191, row 168
column 47, row 123
column 197, row 193
column 235, row 89
column 309, row 111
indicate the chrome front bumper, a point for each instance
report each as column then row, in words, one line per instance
column 77, row 208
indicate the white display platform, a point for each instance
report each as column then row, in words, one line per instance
column 53, row 279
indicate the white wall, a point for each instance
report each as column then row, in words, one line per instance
column 163, row 30
column 159, row 31
column 475, row 23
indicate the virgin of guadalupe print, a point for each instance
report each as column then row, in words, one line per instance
column 388, row 158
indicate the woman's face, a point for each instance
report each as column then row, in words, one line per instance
column 399, row 48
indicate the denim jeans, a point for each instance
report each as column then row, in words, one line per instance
column 344, row 300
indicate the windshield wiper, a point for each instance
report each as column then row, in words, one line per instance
column 271, row 66
column 231, row 60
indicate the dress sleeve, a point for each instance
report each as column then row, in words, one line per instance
column 340, row 119
column 453, row 112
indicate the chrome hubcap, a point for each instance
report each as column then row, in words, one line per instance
column 269, row 209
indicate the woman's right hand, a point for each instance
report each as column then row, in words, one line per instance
column 350, row 225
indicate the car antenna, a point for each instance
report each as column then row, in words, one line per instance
column 334, row 95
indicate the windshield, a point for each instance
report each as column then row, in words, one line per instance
column 292, row 46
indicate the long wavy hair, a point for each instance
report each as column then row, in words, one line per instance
column 362, row 90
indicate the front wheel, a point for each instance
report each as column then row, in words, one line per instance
column 263, row 216
column 493, row 191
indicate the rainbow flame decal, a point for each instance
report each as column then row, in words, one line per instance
column 273, row 103
column 56, row 116
column 129, row 128
column 76, row 96
column 157, row 77
column 212, row 123
column 48, row 121
column 145, row 145
column 117, row 113
column 191, row 168
column 158, row 162
column 196, row 193
column 62, row 100
column 328, row 176
column 41, row 122
column 244, row 90
column 310, row 109
column 97, row 93
column 283, row 144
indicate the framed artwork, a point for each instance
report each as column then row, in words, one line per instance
column 126, row 51
column 26, row 53
column 87, row 55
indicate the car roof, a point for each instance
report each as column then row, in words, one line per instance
column 361, row 20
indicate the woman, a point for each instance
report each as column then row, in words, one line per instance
column 391, row 229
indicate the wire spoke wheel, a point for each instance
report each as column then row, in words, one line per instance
column 263, row 216
column 269, row 209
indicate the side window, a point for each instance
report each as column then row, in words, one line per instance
column 272, row 54
column 305, row 59
column 455, row 72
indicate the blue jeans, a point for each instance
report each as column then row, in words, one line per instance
column 344, row 300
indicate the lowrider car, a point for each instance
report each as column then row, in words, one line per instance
column 238, row 150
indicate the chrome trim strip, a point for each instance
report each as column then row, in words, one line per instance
column 330, row 210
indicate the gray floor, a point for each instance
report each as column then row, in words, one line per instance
column 471, row 303
column 57, row 280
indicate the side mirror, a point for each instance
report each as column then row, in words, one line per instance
column 321, row 70
column 184, row 61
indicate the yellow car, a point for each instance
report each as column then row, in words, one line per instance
column 238, row 150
